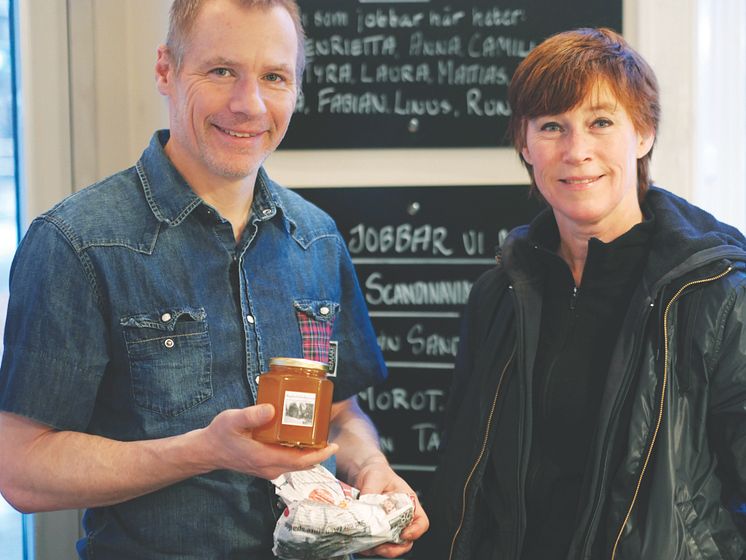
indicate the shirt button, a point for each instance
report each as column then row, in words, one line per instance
column 166, row 317
column 257, row 380
column 168, row 343
column 324, row 310
column 266, row 211
column 250, row 319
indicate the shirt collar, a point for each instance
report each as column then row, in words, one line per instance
column 170, row 197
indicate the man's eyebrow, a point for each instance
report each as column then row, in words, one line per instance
column 219, row 61
column 281, row 66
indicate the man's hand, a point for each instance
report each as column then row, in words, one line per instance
column 377, row 477
column 227, row 444
column 363, row 465
column 45, row 469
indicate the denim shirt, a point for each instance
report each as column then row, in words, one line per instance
column 134, row 314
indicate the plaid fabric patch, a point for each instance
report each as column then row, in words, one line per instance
column 315, row 335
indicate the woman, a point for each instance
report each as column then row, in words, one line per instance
column 599, row 403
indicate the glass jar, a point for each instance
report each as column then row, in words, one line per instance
column 302, row 397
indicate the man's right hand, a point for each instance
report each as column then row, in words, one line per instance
column 227, row 444
column 44, row 469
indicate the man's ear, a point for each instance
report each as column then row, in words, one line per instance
column 164, row 70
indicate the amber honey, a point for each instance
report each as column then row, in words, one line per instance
column 302, row 397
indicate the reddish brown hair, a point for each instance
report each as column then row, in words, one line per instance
column 562, row 71
column 184, row 13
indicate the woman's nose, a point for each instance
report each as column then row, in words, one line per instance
column 577, row 147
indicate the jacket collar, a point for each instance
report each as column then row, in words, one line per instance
column 686, row 238
column 683, row 239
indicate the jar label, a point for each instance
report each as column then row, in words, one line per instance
column 298, row 408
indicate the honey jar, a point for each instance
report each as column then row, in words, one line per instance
column 302, row 397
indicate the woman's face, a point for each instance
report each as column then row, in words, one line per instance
column 585, row 164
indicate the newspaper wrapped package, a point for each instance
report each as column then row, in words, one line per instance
column 325, row 518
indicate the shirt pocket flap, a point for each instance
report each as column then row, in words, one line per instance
column 177, row 320
column 318, row 310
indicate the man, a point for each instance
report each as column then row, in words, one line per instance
column 144, row 308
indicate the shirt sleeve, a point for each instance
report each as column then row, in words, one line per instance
column 359, row 361
column 55, row 343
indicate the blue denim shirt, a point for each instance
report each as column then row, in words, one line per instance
column 134, row 314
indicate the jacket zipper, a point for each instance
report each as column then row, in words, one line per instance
column 573, row 298
column 662, row 401
column 481, row 454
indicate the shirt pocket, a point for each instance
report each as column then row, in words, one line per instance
column 170, row 359
column 316, row 321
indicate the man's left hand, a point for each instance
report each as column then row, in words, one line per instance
column 378, row 478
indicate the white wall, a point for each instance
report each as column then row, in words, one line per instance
column 44, row 100
column 115, row 104
column 720, row 166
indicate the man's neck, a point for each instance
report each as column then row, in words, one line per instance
column 232, row 200
column 231, row 197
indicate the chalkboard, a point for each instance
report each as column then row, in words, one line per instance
column 421, row 73
column 417, row 252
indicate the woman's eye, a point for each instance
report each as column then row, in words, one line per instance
column 551, row 127
column 602, row 123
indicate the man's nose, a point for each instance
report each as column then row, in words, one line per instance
column 247, row 97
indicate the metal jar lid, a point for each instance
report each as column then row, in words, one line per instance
column 299, row 363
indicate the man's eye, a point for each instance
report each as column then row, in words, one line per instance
column 273, row 77
column 221, row 72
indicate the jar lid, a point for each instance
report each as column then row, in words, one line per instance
column 299, row 362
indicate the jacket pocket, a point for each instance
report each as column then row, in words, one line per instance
column 699, row 540
column 316, row 321
column 170, row 359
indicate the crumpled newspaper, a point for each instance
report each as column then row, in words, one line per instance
column 325, row 518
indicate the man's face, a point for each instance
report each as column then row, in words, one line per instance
column 231, row 101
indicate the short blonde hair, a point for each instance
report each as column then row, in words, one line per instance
column 184, row 13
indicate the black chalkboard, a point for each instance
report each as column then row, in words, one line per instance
column 421, row 73
column 417, row 251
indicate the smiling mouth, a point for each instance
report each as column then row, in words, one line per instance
column 237, row 134
column 580, row 180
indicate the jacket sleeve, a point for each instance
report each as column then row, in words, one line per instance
column 464, row 361
column 727, row 417
column 480, row 313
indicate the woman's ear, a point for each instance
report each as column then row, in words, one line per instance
column 645, row 143
column 526, row 155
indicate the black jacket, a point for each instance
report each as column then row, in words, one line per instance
column 668, row 462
